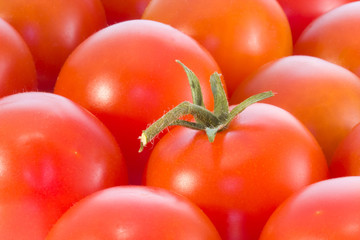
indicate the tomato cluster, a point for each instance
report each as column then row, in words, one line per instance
column 160, row 119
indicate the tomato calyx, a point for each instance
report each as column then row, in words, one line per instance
column 205, row 120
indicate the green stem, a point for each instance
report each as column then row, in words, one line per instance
column 210, row 122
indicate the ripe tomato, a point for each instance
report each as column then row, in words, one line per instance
column 328, row 209
column 260, row 159
column 301, row 13
column 52, row 154
column 345, row 161
column 323, row 96
column 134, row 212
column 17, row 69
column 127, row 76
column 334, row 37
column 52, row 29
column 242, row 35
column 118, row 11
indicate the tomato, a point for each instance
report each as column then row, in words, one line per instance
column 52, row 29
column 52, row 153
column 17, row 72
column 118, row 11
column 134, row 212
column 242, row 35
column 301, row 13
column 328, row 209
column 260, row 159
column 345, row 161
column 333, row 37
column 325, row 97
column 127, row 76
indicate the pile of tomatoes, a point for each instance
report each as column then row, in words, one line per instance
column 81, row 81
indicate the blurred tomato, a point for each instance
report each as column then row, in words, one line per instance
column 122, row 10
column 242, row 35
column 301, row 13
column 334, row 37
column 52, row 29
column 325, row 97
column 17, row 69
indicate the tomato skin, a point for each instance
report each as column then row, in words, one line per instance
column 264, row 156
column 301, row 13
column 345, row 161
column 333, row 37
column 134, row 212
column 53, row 153
column 325, row 97
column 325, row 210
column 127, row 76
column 17, row 65
column 118, row 11
column 52, row 29
column 242, row 35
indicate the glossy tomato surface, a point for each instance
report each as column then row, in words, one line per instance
column 325, row 97
column 346, row 159
column 334, row 37
column 52, row 153
column 301, row 13
column 136, row 213
column 327, row 210
column 52, row 29
column 127, row 76
column 264, row 156
column 240, row 34
column 118, row 11
column 17, row 69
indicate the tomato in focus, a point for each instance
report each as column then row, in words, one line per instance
column 52, row 29
column 127, row 76
column 334, row 37
column 325, row 210
column 325, row 97
column 301, row 13
column 118, row 11
column 260, row 159
column 242, row 35
column 52, row 153
column 17, row 69
column 136, row 213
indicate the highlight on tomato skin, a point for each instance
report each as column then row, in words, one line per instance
column 53, row 153
column 134, row 212
column 127, row 76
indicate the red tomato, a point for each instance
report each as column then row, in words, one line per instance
column 127, row 76
column 334, row 37
column 301, row 13
column 52, row 154
column 264, row 156
column 328, row 209
column 52, row 29
column 118, row 11
column 346, row 159
column 323, row 96
column 17, row 69
column 136, row 213
column 242, row 35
